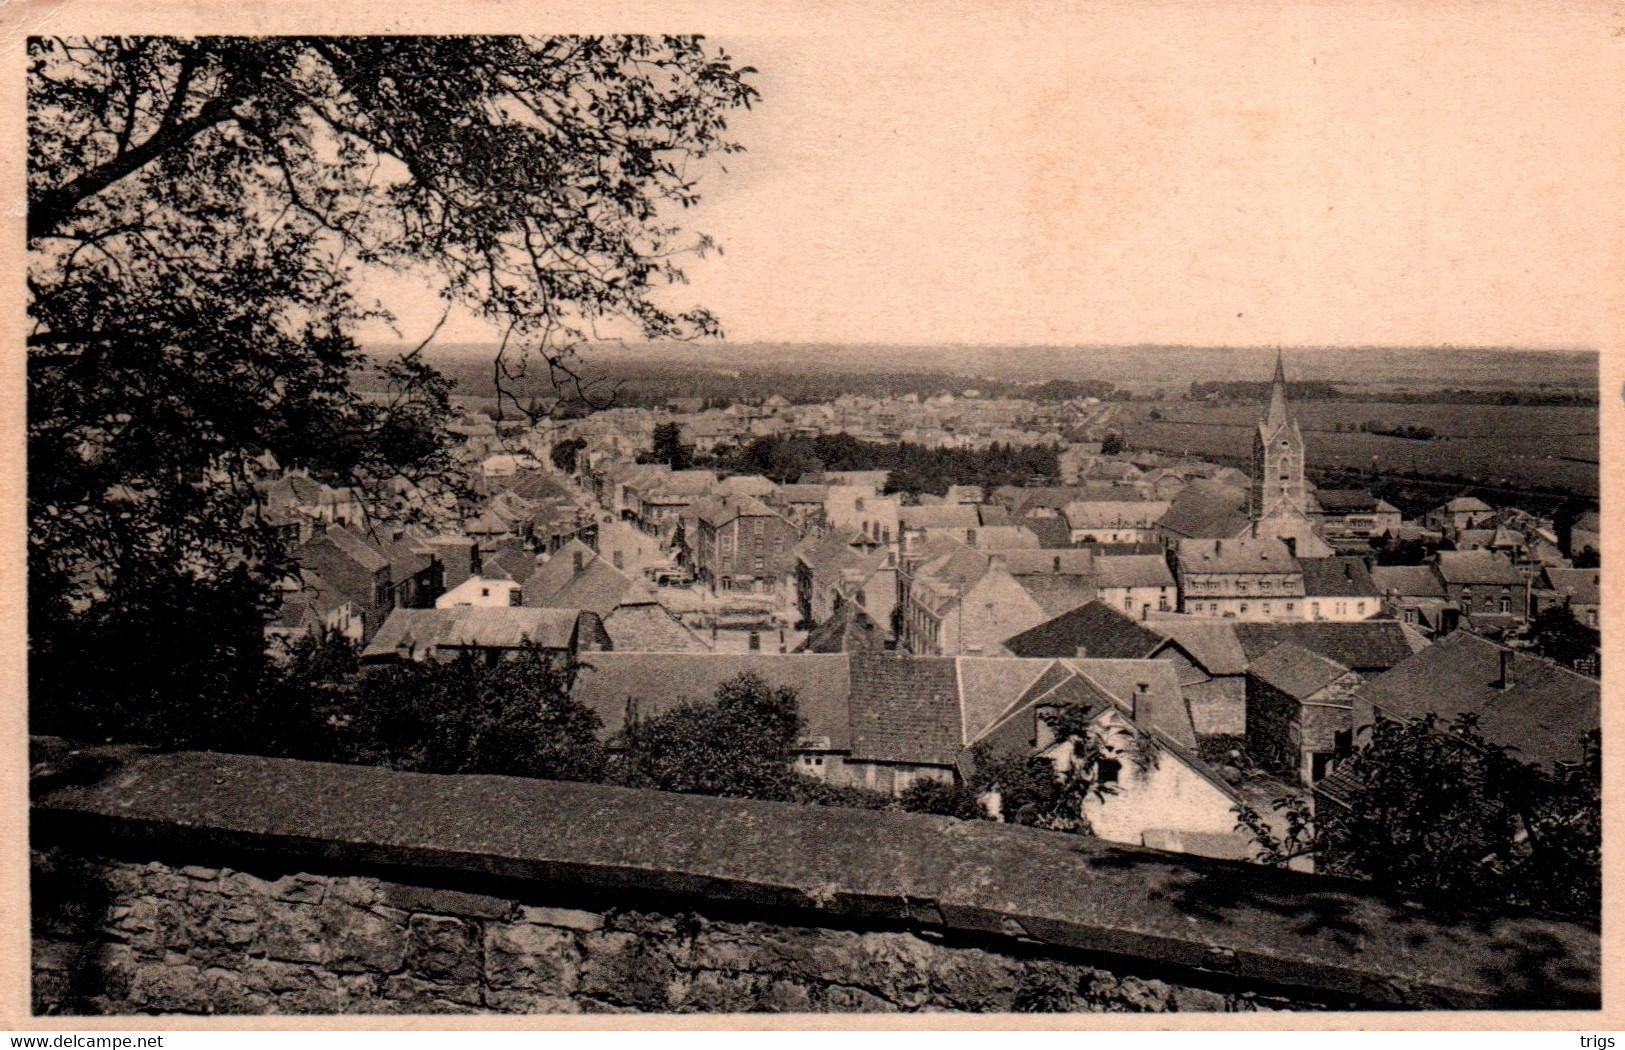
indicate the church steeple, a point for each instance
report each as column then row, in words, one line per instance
column 1277, row 413
column 1277, row 456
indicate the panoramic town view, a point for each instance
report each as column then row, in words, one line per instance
column 556, row 673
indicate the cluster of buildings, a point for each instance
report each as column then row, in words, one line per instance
column 1191, row 609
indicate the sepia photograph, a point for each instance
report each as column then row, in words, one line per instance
column 960, row 510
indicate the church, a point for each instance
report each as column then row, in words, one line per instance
column 1279, row 504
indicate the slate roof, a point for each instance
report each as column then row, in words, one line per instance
column 1465, row 504
column 473, row 626
column 1478, row 568
column 662, row 681
column 1296, row 671
column 1056, row 594
column 1052, row 532
column 1242, row 554
column 850, row 630
column 1543, row 715
column 989, row 686
column 1347, row 501
column 599, row 586
column 905, row 709
column 1114, row 514
column 941, row 516
column 1207, row 509
column 356, row 548
column 1363, row 645
column 1037, row 562
column 1132, row 570
column 1211, row 643
column 1408, row 581
column 1098, row 628
column 1585, row 584
column 1337, row 577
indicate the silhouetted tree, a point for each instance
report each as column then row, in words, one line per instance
column 200, row 212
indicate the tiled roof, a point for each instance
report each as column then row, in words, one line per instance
column 1364, row 645
column 1543, row 714
column 905, row 709
column 1296, row 671
column 1100, row 630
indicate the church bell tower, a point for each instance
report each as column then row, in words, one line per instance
column 1277, row 457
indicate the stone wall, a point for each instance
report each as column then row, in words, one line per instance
column 205, row 883
column 200, row 940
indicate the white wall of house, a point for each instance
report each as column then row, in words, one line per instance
column 482, row 592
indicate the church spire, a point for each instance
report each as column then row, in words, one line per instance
column 1277, row 415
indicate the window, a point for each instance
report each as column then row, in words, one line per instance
column 1243, row 609
column 1314, row 609
column 1506, row 604
column 1291, row 607
column 485, row 592
column 1128, row 603
column 1107, row 770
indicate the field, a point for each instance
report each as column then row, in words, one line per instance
column 1545, row 448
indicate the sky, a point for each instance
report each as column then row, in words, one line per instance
column 1228, row 174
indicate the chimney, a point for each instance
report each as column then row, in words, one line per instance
column 1141, row 689
column 1507, row 676
column 577, row 560
column 1082, row 652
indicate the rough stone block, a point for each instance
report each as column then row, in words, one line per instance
column 407, row 994
column 359, row 939
column 532, row 958
column 622, row 968
column 566, row 918
column 443, row 948
column 290, row 933
column 444, row 902
column 516, row 1001
column 158, row 987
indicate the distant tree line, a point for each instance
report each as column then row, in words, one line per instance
column 652, row 384
column 1314, row 390
column 914, row 469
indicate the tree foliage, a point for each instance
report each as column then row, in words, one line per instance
column 201, row 212
column 1049, row 790
column 669, row 449
column 1437, row 811
column 1558, row 635
column 739, row 745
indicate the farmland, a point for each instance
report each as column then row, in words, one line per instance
column 1546, row 448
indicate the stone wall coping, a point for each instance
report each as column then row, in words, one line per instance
column 836, row 866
